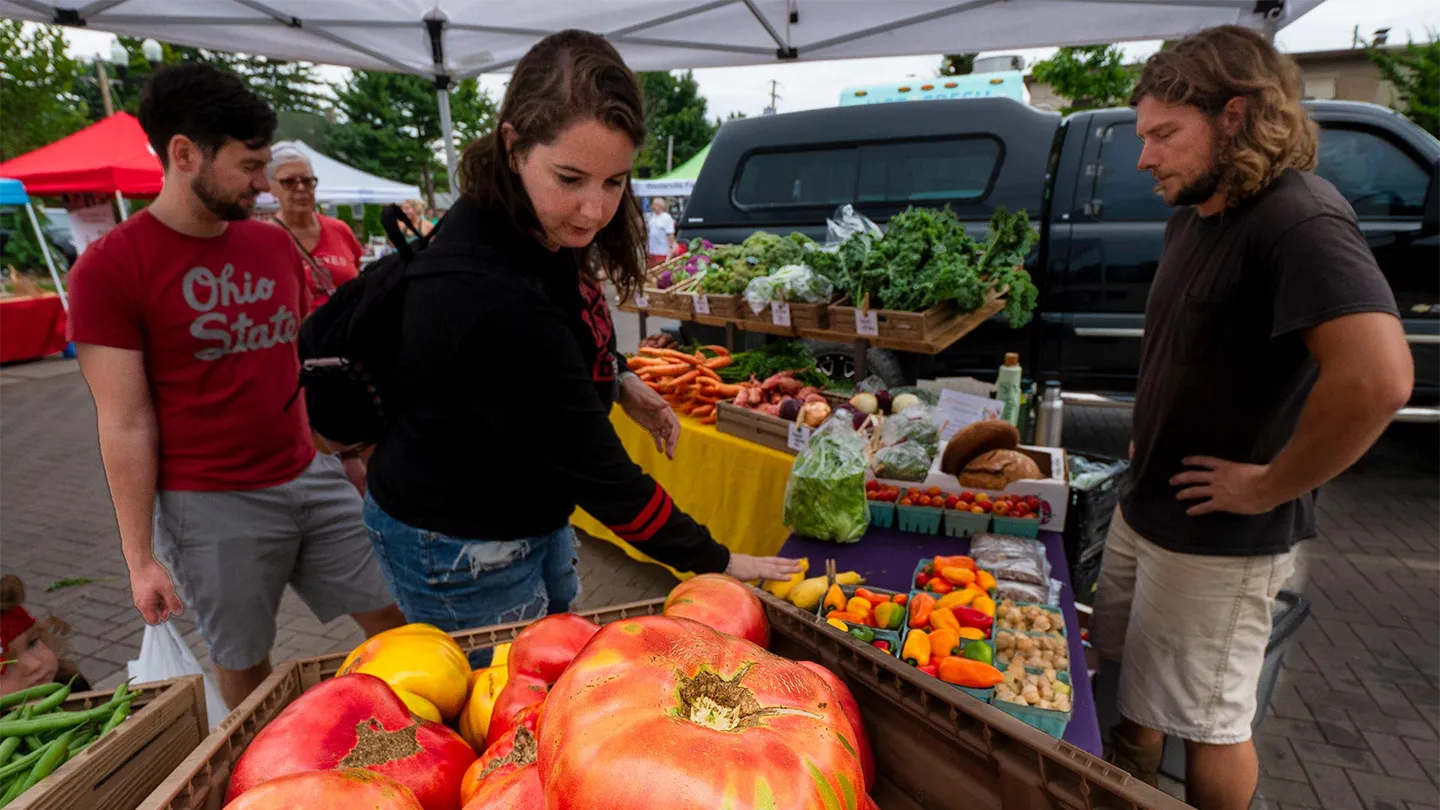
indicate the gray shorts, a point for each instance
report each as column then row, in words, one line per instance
column 232, row 553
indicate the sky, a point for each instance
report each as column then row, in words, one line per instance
column 812, row 85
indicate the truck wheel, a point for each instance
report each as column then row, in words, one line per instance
column 837, row 360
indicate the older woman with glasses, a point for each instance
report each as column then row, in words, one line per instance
column 332, row 253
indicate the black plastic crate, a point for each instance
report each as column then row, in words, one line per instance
column 1088, row 519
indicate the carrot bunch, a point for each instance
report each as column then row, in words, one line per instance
column 687, row 381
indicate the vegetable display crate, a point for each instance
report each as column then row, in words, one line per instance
column 919, row 519
column 666, row 304
column 964, row 524
column 1029, row 528
column 802, row 316
column 933, row 749
column 882, row 514
column 892, row 323
column 1047, row 720
column 929, row 332
column 722, row 307
column 762, row 429
column 167, row 721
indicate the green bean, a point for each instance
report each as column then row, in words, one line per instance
column 122, row 711
column 20, row 765
column 7, row 748
column 53, row 701
column 33, row 743
column 57, row 753
column 52, row 721
column 16, row 698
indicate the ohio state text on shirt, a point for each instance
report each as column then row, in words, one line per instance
column 217, row 320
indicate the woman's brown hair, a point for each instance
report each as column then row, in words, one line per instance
column 566, row 78
column 1206, row 70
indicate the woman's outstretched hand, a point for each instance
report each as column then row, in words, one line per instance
column 745, row 568
column 652, row 412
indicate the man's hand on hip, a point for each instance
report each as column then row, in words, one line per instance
column 154, row 592
column 1222, row 486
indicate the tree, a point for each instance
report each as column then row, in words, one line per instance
column 37, row 88
column 958, row 64
column 1090, row 76
column 1415, row 73
column 675, row 109
column 287, row 86
column 391, row 126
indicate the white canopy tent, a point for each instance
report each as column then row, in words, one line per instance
column 447, row 40
column 341, row 183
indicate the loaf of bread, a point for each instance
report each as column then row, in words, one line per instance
column 976, row 440
column 998, row 469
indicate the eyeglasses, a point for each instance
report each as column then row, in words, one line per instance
column 293, row 183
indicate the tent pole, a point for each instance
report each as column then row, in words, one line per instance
column 447, row 131
column 49, row 262
column 120, row 201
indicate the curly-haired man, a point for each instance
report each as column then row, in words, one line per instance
column 1273, row 358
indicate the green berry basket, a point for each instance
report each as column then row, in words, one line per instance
column 1047, row 720
column 882, row 514
column 964, row 524
column 1027, row 527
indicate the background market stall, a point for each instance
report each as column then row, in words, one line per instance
column 109, row 157
column 677, row 182
column 31, row 326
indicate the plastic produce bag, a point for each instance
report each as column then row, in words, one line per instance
column 825, row 496
column 1021, row 592
column 794, row 283
column 846, row 223
column 164, row 655
column 905, row 461
column 916, row 424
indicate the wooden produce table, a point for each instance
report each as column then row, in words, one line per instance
column 733, row 487
column 31, row 327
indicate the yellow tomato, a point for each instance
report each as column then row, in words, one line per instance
column 419, row 706
column 420, row 659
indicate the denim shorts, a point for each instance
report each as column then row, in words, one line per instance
column 458, row 583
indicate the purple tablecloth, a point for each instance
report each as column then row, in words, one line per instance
column 887, row 558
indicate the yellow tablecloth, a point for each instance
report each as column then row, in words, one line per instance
column 733, row 487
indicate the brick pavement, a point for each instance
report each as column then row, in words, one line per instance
column 1354, row 723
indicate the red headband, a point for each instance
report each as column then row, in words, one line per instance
column 13, row 623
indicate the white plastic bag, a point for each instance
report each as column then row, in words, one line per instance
column 164, row 655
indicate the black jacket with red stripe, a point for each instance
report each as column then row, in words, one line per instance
column 504, row 389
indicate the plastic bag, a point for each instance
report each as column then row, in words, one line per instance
column 825, row 496
column 1020, row 591
column 916, row 424
column 794, row 283
column 995, row 548
column 164, row 655
column 1029, row 570
column 846, row 223
column 905, row 461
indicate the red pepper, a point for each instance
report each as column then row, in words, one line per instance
column 970, row 617
column 932, row 670
column 881, row 645
column 921, row 579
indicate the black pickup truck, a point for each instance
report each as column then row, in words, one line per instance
column 1100, row 221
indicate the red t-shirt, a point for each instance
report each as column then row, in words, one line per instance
column 337, row 251
column 217, row 320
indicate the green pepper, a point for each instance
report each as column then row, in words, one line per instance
column 980, row 651
column 890, row 615
column 863, row 633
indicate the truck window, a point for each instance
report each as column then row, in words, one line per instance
column 1126, row 193
column 956, row 170
column 941, row 171
column 797, row 179
column 1374, row 174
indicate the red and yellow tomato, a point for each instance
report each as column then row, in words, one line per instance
column 341, row 789
column 722, row 603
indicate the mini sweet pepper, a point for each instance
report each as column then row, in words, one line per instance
column 968, row 673
column 945, row 619
column 954, row 561
column 943, row 643
column 985, row 580
column 963, row 596
column 920, row 608
column 858, row 606
column 979, row 651
column 889, row 616
column 931, row 670
column 970, row 617
column 835, row 598
column 875, row 599
column 957, row 575
column 863, row 633
column 939, row 585
column 984, row 604
column 972, row 633
column 917, row 649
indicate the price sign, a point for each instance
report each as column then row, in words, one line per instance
column 867, row 323
column 642, row 301
column 702, row 304
column 780, row 313
column 799, row 437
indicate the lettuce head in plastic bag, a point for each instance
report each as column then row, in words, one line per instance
column 825, row 497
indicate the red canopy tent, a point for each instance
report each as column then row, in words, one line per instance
column 110, row 156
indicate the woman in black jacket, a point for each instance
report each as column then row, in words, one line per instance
column 508, row 366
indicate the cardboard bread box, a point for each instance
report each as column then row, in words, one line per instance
column 1053, row 492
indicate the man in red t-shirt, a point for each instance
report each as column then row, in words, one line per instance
column 185, row 319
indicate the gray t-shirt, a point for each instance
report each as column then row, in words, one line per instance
column 1224, row 371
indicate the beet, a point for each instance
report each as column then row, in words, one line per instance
column 882, row 398
column 789, row 409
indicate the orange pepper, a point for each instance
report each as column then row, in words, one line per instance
column 920, row 608
column 901, row 598
column 944, row 619
column 972, row 634
column 961, row 597
column 965, row 672
column 985, row 580
column 845, row 616
column 958, row 561
column 940, row 585
column 871, row 597
column 943, row 643
column 957, row 575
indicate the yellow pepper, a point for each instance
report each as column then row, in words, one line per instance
column 419, row 659
column 972, row 634
column 838, row 625
column 835, row 598
column 963, row 597
column 917, row 649
column 985, row 605
column 944, row 619
column 985, row 580
column 858, row 606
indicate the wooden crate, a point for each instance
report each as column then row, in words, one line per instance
column 763, row 429
column 919, row 332
column 167, row 721
column 199, row 782
column 895, row 325
column 722, row 307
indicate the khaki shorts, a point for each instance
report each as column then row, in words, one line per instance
column 1190, row 632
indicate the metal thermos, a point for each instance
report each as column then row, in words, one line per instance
column 1050, row 416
